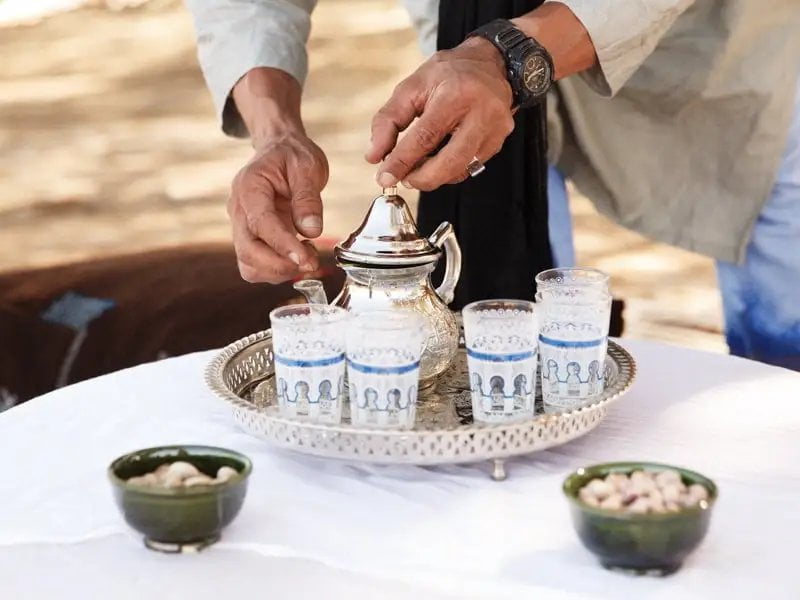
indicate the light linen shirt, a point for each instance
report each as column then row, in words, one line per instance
column 677, row 133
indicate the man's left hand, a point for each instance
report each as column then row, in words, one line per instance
column 462, row 92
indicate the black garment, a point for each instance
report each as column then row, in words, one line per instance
column 500, row 216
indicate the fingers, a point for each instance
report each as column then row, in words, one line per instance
column 391, row 119
column 264, row 222
column 312, row 253
column 450, row 164
column 493, row 143
column 306, row 207
column 273, row 198
column 258, row 263
column 307, row 175
column 269, row 228
column 471, row 140
column 253, row 208
column 419, row 141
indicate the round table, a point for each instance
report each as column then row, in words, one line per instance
column 311, row 526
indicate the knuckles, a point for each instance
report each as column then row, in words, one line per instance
column 305, row 198
column 427, row 137
column 246, row 180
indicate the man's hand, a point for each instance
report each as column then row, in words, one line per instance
column 463, row 92
column 275, row 197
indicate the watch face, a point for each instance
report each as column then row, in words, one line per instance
column 536, row 74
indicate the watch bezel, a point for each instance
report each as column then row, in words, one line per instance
column 517, row 72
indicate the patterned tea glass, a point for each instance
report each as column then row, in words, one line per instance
column 574, row 311
column 308, row 341
column 501, row 354
column 383, row 357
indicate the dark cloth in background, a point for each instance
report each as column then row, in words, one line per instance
column 60, row 325
column 500, row 216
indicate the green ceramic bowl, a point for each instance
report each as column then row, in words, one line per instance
column 655, row 544
column 180, row 519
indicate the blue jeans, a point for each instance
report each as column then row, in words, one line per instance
column 559, row 220
column 760, row 297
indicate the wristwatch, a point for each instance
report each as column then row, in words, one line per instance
column 529, row 67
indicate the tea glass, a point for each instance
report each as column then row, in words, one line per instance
column 384, row 349
column 574, row 312
column 308, row 342
column 501, row 338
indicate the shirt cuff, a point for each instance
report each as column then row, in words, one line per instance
column 624, row 34
column 229, row 49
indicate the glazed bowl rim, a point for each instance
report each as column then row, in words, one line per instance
column 197, row 490
column 622, row 466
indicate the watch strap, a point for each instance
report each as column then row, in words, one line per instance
column 513, row 45
column 502, row 33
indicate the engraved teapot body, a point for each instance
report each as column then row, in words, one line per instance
column 388, row 267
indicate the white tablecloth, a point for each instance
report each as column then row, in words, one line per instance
column 311, row 527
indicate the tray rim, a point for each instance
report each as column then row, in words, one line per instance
column 214, row 379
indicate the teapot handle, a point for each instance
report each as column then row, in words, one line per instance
column 445, row 235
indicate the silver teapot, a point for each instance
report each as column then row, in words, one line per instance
column 388, row 267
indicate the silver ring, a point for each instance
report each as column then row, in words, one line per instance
column 475, row 167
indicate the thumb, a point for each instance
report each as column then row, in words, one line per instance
column 307, row 211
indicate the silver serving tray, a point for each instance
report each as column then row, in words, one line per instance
column 242, row 375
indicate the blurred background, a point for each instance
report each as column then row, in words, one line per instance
column 109, row 145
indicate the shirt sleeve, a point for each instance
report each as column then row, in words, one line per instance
column 425, row 17
column 235, row 36
column 624, row 34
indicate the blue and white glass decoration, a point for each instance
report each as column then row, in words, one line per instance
column 383, row 357
column 501, row 338
column 574, row 312
column 309, row 348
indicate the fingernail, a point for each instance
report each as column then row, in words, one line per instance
column 386, row 179
column 407, row 185
column 307, row 268
column 295, row 258
column 311, row 222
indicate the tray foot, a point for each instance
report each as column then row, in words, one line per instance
column 499, row 469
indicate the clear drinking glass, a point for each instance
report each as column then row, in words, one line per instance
column 308, row 341
column 501, row 355
column 383, row 357
column 574, row 312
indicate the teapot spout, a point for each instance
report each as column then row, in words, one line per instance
column 313, row 291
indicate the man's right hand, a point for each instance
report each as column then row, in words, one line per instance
column 276, row 196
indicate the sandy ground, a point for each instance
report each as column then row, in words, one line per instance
column 109, row 143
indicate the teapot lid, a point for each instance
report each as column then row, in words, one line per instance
column 387, row 236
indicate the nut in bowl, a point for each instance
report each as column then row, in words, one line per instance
column 180, row 497
column 643, row 518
